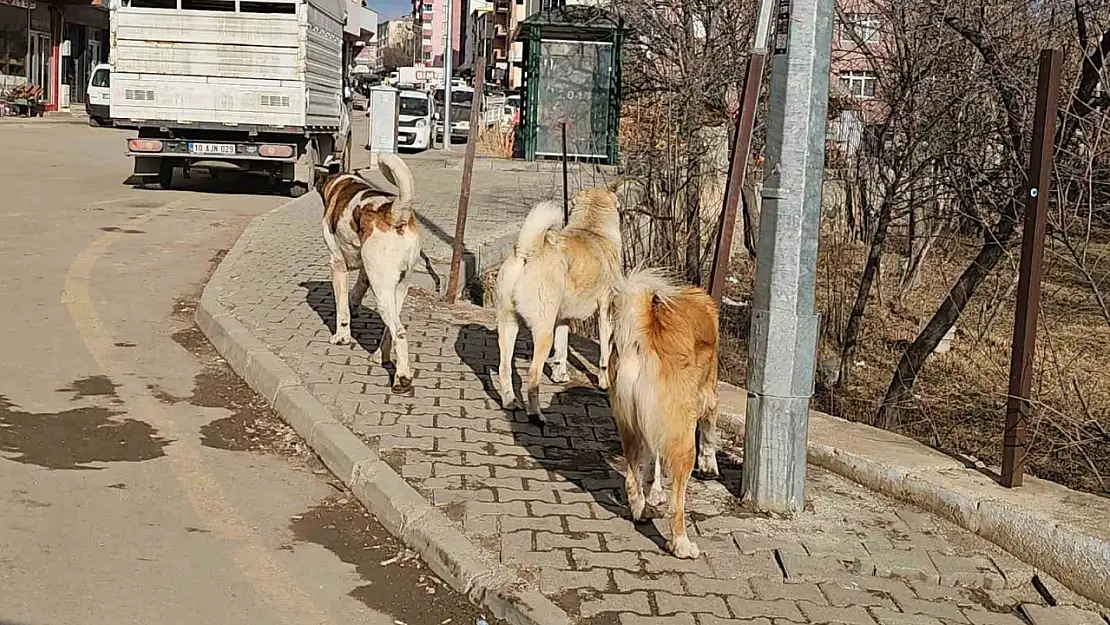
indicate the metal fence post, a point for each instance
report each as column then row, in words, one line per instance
column 1031, row 269
column 453, row 281
column 738, row 167
column 783, row 341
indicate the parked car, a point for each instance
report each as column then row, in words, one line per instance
column 414, row 123
column 98, row 96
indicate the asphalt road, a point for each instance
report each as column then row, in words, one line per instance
column 140, row 480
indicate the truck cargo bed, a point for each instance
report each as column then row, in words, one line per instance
column 228, row 62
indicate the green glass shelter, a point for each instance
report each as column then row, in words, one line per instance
column 572, row 77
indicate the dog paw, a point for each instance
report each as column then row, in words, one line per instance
column 403, row 384
column 340, row 339
column 603, row 380
column 636, row 505
column 707, row 464
column 683, row 548
column 656, row 497
column 509, row 401
column 559, row 375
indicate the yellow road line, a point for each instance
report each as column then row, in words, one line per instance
column 196, row 479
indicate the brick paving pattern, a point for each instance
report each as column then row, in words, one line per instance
column 551, row 504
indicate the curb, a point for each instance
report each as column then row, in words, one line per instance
column 384, row 493
column 1052, row 528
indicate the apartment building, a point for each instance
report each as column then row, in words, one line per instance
column 429, row 23
column 859, row 43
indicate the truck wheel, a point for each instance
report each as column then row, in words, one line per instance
column 297, row 189
column 165, row 174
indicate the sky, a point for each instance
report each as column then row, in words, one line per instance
column 390, row 9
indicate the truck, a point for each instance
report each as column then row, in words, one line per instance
column 232, row 85
column 419, row 77
column 462, row 99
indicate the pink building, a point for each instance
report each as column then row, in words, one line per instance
column 430, row 26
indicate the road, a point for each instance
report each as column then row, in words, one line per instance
column 141, row 481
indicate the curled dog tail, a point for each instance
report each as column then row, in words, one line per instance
column 538, row 225
column 397, row 173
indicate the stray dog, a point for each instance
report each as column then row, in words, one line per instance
column 376, row 234
column 663, row 389
column 556, row 274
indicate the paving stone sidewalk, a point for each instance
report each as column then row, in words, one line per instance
column 550, row 504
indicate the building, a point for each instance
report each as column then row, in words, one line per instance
column 395, row 36
column 429, row 22
column 52, row 45
column 858, row 43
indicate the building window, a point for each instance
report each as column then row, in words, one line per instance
column 859, row 83
column 427, row 56
column 428, row 7
column 861, row 28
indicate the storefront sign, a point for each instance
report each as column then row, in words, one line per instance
column 19, row 4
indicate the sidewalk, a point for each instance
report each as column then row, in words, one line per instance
column 549, row 506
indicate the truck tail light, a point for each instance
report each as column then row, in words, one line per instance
column 275, row 151
column 145, row 145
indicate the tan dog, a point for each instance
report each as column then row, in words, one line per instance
column 556, row 274
column 376, row 234
column 663, row 389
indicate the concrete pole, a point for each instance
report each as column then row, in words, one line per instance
column 783, row 340
column 448, row 61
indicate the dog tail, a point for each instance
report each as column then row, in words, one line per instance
column 541, row 220
column 398, row 174
column 638, row 298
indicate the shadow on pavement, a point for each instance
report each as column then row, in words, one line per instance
column 366, row 324
column 579, row 441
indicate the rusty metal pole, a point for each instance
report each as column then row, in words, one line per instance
column 1031, row 270
column 738, row 166
column 453, row 282
column 566, row 193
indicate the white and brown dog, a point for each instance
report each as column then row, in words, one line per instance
column 556, row 274
column 375, row 233
column 663, row 389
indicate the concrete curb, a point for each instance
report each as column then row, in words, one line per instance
column 1052, row 528
column 387, row 496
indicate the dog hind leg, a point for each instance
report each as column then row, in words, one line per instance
column 679, row 454
column 339, row 285
column 542, row 336
column 559, row 373
column 507, row 328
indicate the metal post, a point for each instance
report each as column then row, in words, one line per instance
column 566, row 193
column 448, row 61
column 1031, row 269
column 453, row 280
column 784, row 327
column 738, row 167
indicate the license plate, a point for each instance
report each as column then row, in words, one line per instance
column 223, row 149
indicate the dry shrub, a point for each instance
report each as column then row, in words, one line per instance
column 495, row 142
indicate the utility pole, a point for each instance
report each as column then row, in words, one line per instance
column 783, row 340
column 448, row 61
column 741, row 146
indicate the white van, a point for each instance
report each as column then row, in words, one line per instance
column 414, row 124
column 98, row 96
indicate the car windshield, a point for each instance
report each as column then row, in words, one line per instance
column 414, row 106
column 101, row 78
column 457, row 97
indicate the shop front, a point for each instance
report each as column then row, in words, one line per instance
column 86, row 30
column 15, row 22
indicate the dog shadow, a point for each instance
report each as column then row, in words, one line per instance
column 579, row 441
column 367, row 327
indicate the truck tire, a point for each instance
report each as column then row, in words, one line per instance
column 297, row 189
